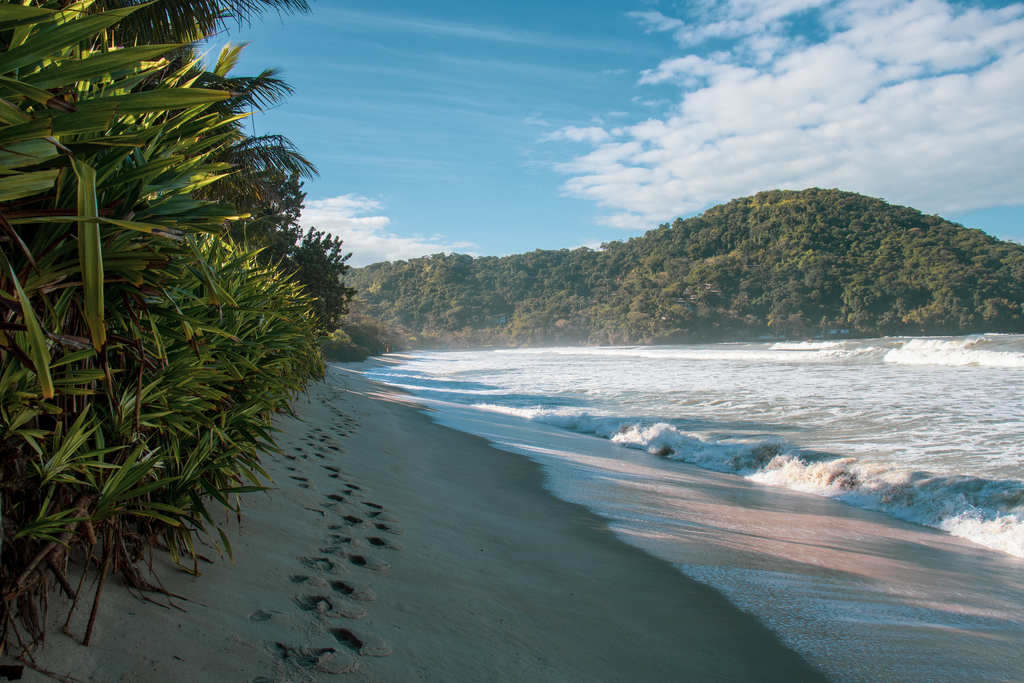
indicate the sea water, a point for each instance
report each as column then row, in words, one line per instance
column 865, row 498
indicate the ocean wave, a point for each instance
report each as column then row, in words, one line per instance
column 808, row 345
column 986, row 511
column 813, row 352
column 988, row 350
column 956, row 352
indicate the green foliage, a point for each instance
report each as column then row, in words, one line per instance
column 319, row 263
column 778, row 263
column 316, row 257
column 188, row 20
column 271, row 220
column 361, row 336
column 141, row 353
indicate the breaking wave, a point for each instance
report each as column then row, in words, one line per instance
column 985, row 351
column 988, row 350
column 989, row 512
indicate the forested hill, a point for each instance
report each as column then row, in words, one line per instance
column 779, row 263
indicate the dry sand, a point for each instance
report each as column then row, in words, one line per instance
column 394, row 549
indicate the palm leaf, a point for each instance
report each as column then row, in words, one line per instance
column 39, row 350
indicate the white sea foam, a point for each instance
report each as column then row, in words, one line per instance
column 936, row 443
column 987, row 512
column 980, row 350
column 916, row 427
column 807, row 345
column 957, row 352
column 722, row 352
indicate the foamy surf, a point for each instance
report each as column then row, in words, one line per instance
column 1000, row 351
column 809, row 456
column 975, row 351
column 986, row 512
column 927, row 430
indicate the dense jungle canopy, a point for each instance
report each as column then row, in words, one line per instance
column 779, row 263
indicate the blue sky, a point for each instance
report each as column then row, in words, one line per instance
column 493, row 128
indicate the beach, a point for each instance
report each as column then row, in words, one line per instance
column 792, row 478
column 394, row 549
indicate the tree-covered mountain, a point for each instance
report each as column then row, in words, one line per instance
column 790, row 263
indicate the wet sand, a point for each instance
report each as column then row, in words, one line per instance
column 395, row 549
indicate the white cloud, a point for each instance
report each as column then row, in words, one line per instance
column 351, row 217
column 912, row 100
column 592, row 134
column 656, row 21
column 727, row 19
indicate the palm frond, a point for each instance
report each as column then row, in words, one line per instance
column 190, row 20
column 266, row 154
column 248, row 92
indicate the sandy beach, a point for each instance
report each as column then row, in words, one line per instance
column 394, row 549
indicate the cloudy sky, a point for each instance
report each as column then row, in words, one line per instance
column 498, row 127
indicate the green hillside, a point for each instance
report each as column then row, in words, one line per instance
column 790, row 263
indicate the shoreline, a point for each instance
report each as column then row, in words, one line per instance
column 861, row 594
column 428, row 555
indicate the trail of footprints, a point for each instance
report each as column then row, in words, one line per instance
column 334, row 585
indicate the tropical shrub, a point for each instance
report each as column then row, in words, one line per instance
column 141, row 353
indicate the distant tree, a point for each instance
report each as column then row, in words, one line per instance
column 316, row 257
column 273, row 221
column 320, row 263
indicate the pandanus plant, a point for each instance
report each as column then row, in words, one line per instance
column 141, row 353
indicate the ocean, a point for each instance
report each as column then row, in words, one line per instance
column 864, row 498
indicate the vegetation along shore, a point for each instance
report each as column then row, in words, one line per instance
column 192, row 489
column 150, row 324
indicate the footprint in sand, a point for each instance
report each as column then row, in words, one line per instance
column 369, row 562
column 314, row 603
column 321, row 563
column 354, row 591
column 331, row 550
column 330, row 607
column 388, row 529
column 323, row 659
column 363, row 643
column 379, row 542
